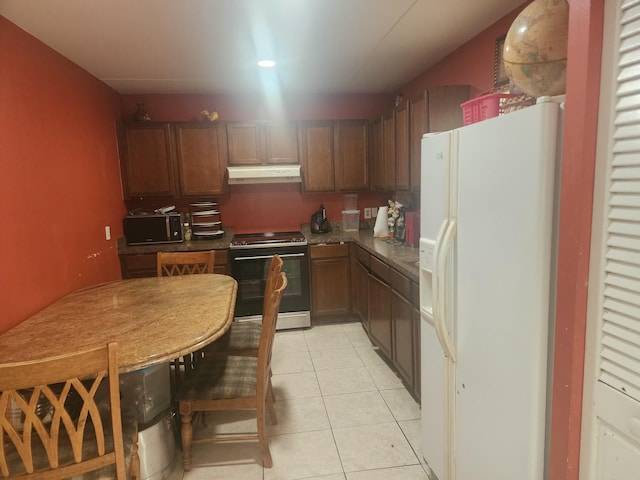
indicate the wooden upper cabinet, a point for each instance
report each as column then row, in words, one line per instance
column 281, row 143
column 245, row 144
column 402, row 147
column 389, row 151
column 384, row 154
column 417, row 128
column 436, row 110
column 201, row 158
column 146, row 159
column 257, row 143
column 351, row 144
column 377, row 155
column 316, row 155
column 445, row 112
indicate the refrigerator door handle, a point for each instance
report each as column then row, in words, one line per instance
column 443, row 250
column 435, row 282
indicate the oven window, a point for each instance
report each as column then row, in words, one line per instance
column 250, row 269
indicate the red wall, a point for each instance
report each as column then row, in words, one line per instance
column 471, row 64
column 269, row 207
column 59, row 181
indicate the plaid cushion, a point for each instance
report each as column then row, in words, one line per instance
column 221, row 377
column 243, row 335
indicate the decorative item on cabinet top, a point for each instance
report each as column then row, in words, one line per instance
column 206, row 223
column 210, row 116
column 141, row 114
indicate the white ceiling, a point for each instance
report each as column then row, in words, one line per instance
column 211, row 46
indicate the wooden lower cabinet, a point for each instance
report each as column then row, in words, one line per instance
column 402, row 336
column 380, row 314
column 330, row 280
column 144, row 264
column 361, row 294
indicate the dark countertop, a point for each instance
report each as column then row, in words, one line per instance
column 397, row 255
column 192, row 245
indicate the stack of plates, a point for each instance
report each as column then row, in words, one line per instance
column 205, row 220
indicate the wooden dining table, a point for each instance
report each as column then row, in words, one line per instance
column 153, row 320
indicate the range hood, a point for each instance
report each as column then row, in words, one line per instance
column 264, row 174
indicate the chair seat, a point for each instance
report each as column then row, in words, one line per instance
column 89, row 448
column 241, row 338
column 221, row 377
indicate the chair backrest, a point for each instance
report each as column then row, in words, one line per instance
column 274, row 269
column 185, row 263
column 269, row 320
column 50, row 421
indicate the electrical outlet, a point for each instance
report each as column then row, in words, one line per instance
column 367, row 213
column 107, row 232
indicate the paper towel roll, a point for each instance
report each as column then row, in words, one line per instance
column 381, row 227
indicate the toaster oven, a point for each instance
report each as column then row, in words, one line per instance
column 149, row 229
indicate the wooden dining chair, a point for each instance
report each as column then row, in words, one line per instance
column 243, row 338
column 183, row 263
column 60, row 417
column 234, row 382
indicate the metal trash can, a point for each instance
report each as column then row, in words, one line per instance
column 157, row 448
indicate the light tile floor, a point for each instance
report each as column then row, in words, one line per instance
column 343, row 414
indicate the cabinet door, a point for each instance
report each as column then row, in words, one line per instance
column 417, row 128
column 352, row 155
column 444, row 111
column 316, row 151
column 362, row 294
column 389, row 151
column 244, row 143
column 380, row 314
column 281, row 143
column 402, row 147
column 330, row 280
column 402, row 336
column 201, row 153
column 146, row 160
column 377, row 155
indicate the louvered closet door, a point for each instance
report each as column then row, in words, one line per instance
column 612, row 392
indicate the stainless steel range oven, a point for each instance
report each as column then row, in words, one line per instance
column 250, row 258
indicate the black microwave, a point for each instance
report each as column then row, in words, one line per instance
column 148, row 229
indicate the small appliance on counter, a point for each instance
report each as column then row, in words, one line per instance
column 145, row 228
column 319, row 222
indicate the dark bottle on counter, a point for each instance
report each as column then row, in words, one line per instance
column 399, row 227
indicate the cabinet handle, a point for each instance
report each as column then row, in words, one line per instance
column 264, row 257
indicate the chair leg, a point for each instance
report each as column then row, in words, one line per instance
column 267, row 462
column 269, row 401
column 134, row 462
column 273, row 396
column 186, row 431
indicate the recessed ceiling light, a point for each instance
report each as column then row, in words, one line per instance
column 267, row 63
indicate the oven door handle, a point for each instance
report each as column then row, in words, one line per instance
column 263, row 257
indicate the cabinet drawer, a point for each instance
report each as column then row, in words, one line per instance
column 362, row 256
column 330, row 251
column 400, row 283
column 379, row 268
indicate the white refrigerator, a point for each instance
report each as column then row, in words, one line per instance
column 487, row 282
